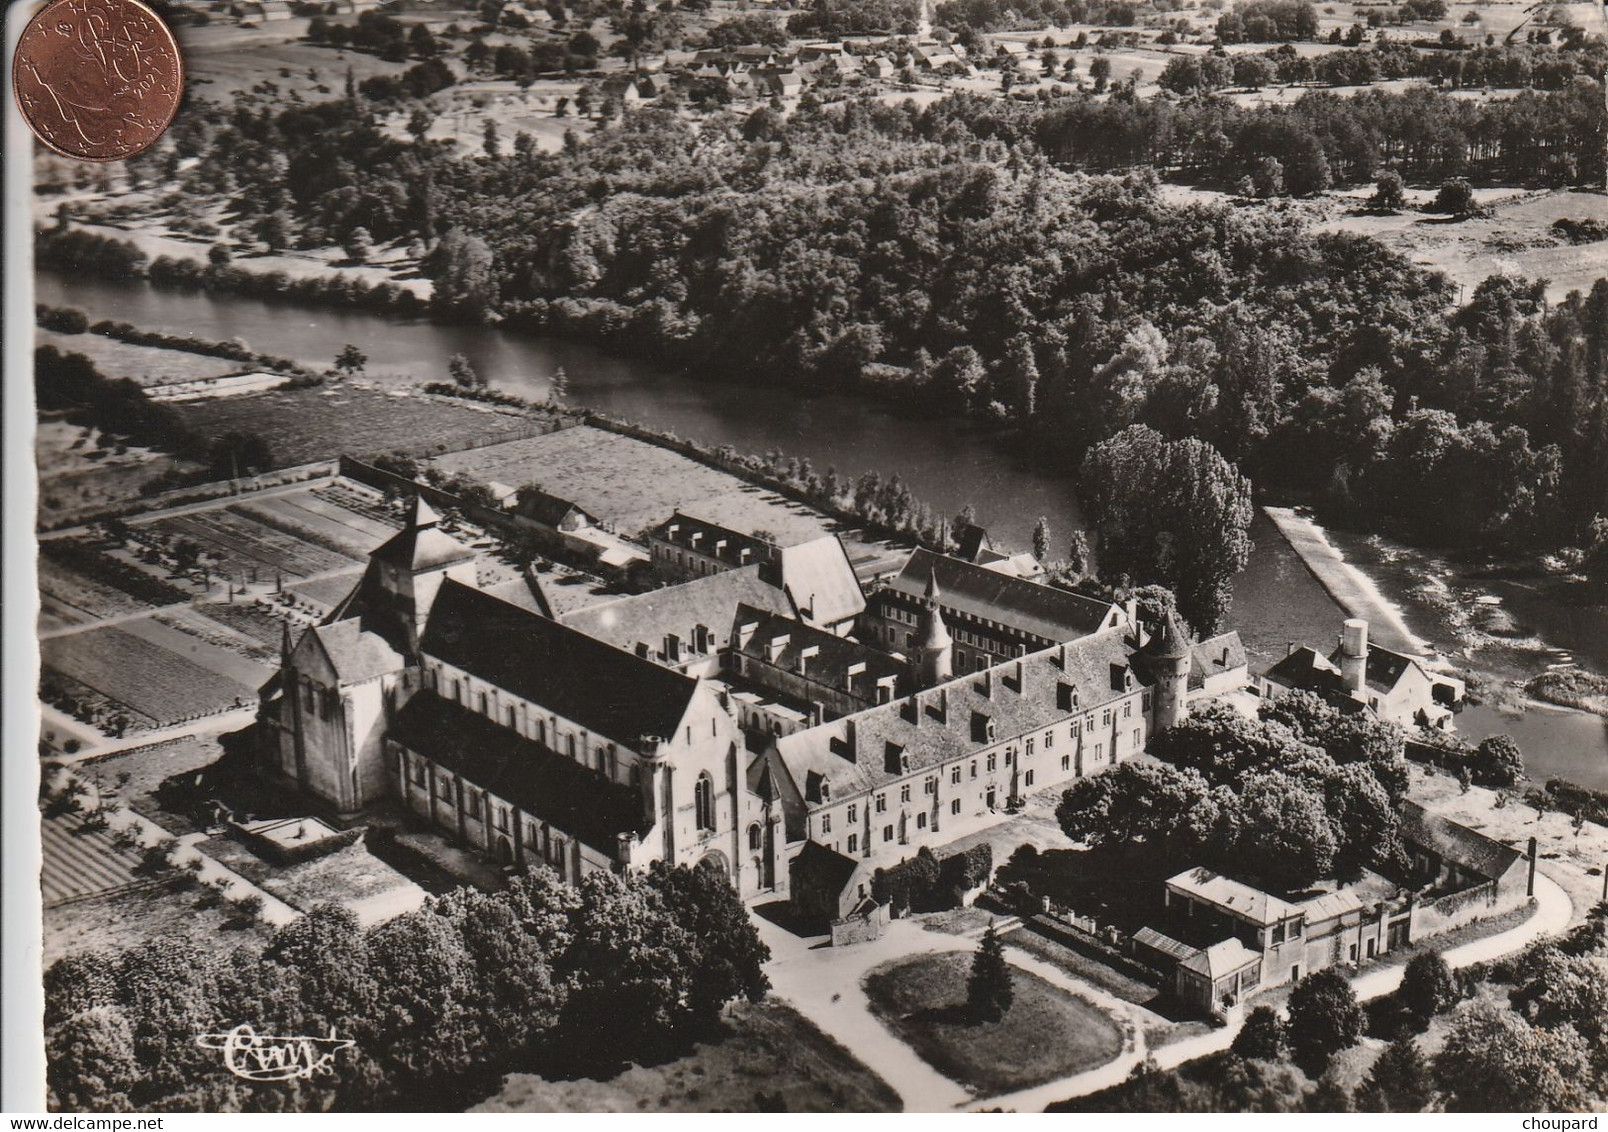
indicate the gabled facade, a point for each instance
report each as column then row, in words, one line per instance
column 515, row 734
column 1393, row 686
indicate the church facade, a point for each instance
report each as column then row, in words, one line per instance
column 508, row 731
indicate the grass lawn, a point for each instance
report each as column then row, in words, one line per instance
column 131, row 918
column 769, row 1048
column 1046, row 1034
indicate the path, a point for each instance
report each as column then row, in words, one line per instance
column 824, row 983
column 232, row 719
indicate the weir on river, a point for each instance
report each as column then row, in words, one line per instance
column 945, row 461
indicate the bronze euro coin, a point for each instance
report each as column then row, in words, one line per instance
column 98, row 80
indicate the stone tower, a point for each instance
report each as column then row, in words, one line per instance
column 936, row 648
column 1167, row 654
column 1354, row 655
column 408, row 569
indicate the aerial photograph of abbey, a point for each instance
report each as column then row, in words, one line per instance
column 823, row 556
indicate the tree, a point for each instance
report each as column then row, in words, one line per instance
column 1100, row 72
column 1325, row 1018
column 1388, row 191
column 1495, row 1061
column 1268, row 177
column 1262, row 1037
column 1173, row 512
column 350, row 360
column 729, row 956
column 1079, row 555
column 419, row 122
column 461, row 266
column 1399, row 1080
column 463, row 373
column 90, row 1062
column 1456, row 197
column 1156, row 804
column 358, row 245
column 489, row 140
column 1428, row 987
column 1041, row 539
column 988, row 989
column 1497, row 761
column 1279, row 829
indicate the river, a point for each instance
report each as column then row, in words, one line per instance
column 946, row 463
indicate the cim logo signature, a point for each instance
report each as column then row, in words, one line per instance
column 264, row 1057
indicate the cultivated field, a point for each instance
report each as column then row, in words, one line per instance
column 147, row 365
column 304, row 425
column 631, row 484
column 137, row 665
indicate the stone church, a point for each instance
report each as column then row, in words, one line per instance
column 511, row 732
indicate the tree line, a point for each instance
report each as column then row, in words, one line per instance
column 439, row 1003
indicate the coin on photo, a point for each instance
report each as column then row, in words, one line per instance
column 98, row 80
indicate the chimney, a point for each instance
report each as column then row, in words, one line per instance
column 745, row 633
column 805, row 655
column 1060, row 657
column 938, row 706
column 773, row 650
column 986, row 685
column 848, row 740
column 1018, row 676
column 643, row 651
column 1354, row 654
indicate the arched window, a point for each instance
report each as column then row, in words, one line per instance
column 703, row 798
column 756, row 837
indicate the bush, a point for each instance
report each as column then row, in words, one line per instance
column 1497, row 761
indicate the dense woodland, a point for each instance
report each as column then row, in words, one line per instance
column 540, row 977
column 963, row 259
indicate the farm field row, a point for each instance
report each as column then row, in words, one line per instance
column 137, row 666
column 246, row 547
column 304, row 425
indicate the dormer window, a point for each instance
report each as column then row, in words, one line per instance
column 826, row 790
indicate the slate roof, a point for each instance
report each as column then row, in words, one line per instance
column 548, row 510
column 820, row 579
column 828, row 665
column 1046, row 612
column 1331, row 905
column 711, row 601
column 603, row 689
column 1306, row 668
column 1235, row 897
column 357, row 653
column 420, row 545
column 832, row 871
column 1454, row 843
column 1221, row 959
column 1206, row 657
column 850, row 754
column 1166, row 944
column 544, row 784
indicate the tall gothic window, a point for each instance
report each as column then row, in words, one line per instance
column 703, row 798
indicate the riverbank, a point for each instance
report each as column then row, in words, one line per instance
column 1352, row 590
column 1387, row 583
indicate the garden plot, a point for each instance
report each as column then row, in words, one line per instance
column 319, row 521
column 150, row 679
column 246, row 546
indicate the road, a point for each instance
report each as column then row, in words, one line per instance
column 824, row 983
